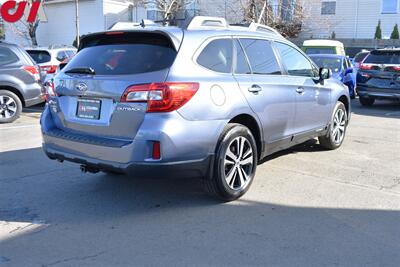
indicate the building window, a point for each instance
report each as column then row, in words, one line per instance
column 390, row 6
column 328, row 8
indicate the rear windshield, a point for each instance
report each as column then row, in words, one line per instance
column 127, row 53
column 383, row 57
column 360, row 57
column 320, row 50
column 332, row 63
column 39, row 56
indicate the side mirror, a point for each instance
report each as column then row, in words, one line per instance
column 324, row 74
column 348, row 71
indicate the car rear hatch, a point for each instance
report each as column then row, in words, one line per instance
column 381, row 70
column 90, row 87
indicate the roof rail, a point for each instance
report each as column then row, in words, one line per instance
column 263, row 28
column 200, row 22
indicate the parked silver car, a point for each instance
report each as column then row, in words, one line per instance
column 49, row 58
column 209, row 101
column 20, row 82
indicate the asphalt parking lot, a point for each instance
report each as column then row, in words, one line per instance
column 306, row 207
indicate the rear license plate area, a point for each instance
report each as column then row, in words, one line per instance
column 88, row 109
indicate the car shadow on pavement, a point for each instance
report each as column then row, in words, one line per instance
column 308, row 146
column 381, row 108
column 175, row 221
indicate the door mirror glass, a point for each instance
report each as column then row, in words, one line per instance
column 325, row 73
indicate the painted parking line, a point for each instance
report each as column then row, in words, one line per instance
column 396, row 113
column 19, row 127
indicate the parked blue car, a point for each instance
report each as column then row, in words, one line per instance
column 341, row 67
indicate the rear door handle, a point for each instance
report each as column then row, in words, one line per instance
column 300, row 90
column 255, row 88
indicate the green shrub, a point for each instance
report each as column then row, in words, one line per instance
column 378, row 31
column 395, row 33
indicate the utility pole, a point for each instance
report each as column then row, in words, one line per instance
column 77, row 22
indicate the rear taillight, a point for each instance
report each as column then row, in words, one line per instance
column 49, row 69
column 161, row 97
column 49, row 90
column 366, row 66
column 33, row 70
column 396, row 68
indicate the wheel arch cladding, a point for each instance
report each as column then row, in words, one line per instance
column 345, row 101
column 15, row 91
column 249, row 121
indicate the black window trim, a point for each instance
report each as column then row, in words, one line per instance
column 237, row 39
column 273, row 50
column 200, row 49
column 328, row 13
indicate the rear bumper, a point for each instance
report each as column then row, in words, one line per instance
column 183, row 169
column 187, row 147
column 34, row 101
column 381, row 93
column 33, row 94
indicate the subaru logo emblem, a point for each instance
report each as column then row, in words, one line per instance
column 81, row 87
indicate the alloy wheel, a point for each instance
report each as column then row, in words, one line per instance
column 238, row 163
column 339, row 126
column 8, row 107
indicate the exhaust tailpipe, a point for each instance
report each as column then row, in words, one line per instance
column 85, row 169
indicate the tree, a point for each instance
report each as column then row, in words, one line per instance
column 2, row 32
column 395, row 33
column 378, row 31
column 26, row 29
column 286, row 16
column 168, row 8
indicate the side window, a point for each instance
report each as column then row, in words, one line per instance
column 295, row 62
column 217, row 56
column 261, row 56
column 241, row 66
column 7, row 56
column 70, row 53
column 349, row 64
column 61, row 56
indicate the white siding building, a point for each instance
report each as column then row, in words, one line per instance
column 355, row 19
column 57, row 24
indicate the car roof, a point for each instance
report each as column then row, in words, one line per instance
column 49, row 48
column 322, row 43
column 327, row 55
column 391, row 49
column 8, row 44
column 199, row 27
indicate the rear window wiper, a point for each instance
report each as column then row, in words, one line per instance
column 83, row 70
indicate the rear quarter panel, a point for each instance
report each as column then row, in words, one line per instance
column 219, row 98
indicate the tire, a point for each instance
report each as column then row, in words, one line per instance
column 337, row 128
column 367, row 102
column 232, row 177
column 10, row 106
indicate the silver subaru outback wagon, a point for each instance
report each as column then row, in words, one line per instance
column 205, row 102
